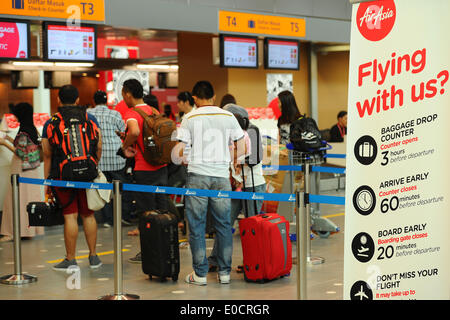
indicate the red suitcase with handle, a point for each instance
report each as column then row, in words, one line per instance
column 266, row 247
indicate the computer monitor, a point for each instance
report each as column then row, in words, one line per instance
column 238, row 51
column 67, row 43
column 14, row 40
column 281, row 54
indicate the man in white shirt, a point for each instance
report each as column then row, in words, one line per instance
column 209, row 130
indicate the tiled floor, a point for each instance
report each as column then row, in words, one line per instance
column 324, row 282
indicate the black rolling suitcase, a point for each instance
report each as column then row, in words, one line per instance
column 158, row 232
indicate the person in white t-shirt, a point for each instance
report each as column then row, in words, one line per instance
column 209, row 130
column 237, row 206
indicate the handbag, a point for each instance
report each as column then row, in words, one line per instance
column 48, row 213
column 97, row 198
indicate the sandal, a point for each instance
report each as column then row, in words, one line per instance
column 6, row 239
column 134, row 232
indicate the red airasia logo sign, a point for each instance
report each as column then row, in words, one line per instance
column 376, row 19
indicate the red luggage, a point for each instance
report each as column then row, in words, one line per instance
column 266, row 247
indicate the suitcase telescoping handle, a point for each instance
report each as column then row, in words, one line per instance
column 253, row 188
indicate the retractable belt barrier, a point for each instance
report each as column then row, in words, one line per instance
column 313, row 168
column 335, row 155
column 281, row 197
column 302, row 227
column 300, row 168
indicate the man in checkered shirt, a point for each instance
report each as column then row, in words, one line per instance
column 112, row 165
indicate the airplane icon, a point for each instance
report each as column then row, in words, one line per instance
column 362, row 250
column 361, row 294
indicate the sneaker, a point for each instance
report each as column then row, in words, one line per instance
column 65, row 264
column 94, row 262
column 192, row 278
column 136, row 259
column 224, row 278
column 107, row 225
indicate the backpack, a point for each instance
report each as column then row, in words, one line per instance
column 74, row 139
column 157, row 133
column 257, row 152
column 305, row 135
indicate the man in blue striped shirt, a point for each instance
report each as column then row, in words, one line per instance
column 110, row 164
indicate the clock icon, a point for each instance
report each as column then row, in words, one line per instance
column 364, row 200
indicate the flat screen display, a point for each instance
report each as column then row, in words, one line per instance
column 239, row 52
column 14, row 40
column 70, row 43
column 281, row 54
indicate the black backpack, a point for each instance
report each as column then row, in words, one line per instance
column 256, row 146
column 305, row 135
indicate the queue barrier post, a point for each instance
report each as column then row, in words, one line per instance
column 307, row 174
column 302, row 231
column 118, row 270
column 18, row 278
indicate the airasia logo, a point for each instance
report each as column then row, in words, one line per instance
column 376, row 19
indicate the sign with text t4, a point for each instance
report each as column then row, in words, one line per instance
column 397, row 185
column 251, row 23
column 82, row 10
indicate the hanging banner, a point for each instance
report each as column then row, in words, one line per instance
column 398, row 178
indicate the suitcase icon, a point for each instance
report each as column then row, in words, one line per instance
column 18, row 4
column 366, row 150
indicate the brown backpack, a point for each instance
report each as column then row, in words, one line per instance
column 157, row 133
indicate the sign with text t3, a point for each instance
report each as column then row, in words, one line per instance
column 397, row 186
column 92, row 11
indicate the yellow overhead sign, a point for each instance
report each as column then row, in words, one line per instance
column 250, row 23
column 83, row 10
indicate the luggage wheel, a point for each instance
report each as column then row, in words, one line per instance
column 324, row 234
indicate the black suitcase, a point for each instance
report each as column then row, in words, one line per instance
column 158, row 234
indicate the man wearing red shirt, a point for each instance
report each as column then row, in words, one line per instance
column 133, row 146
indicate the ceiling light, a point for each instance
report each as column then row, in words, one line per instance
column 157, row 66
column 32, row 64
column 51, row 64
column 74, row 64
column 152, row 66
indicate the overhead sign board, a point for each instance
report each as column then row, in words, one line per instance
column 250, row 23
column 83, row 10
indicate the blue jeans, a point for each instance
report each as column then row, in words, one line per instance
column 237, row 206
column 196, row 208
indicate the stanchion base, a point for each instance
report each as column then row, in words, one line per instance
column 125, row 296
column 315, row 260
column 18, row 279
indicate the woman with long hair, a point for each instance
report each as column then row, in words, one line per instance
column 289, row 113
column 26, row 163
